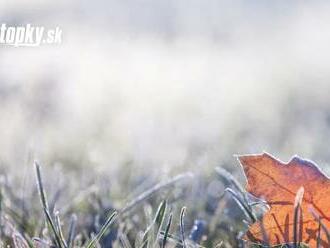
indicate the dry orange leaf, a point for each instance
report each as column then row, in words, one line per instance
column 278, row 183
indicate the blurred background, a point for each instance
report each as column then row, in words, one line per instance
column 161, row 84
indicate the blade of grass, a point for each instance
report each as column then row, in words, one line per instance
column 182, row 214
column 231, row 180
column 44, row 203
column 297, row 214
column 318, row 218
column 148, row 193
column 151, row 234
column 243, row 206
column 72, row 231
column 169, row 222
column 104, row 228
column 160, row 215
column 53, row 228
column 59, row 228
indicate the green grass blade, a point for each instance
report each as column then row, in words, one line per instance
column 182, row 231
column 105, row 227
column 152, row 232
column 44, row 203
column 160, row 215
column 246, row 209
column 59, row 229
column 167, row 231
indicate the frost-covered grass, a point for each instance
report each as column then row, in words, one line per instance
column 165, row 212
column 185, row 210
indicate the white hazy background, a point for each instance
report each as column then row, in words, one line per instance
column 166, row 84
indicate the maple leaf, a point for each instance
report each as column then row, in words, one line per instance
column 278, row 183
